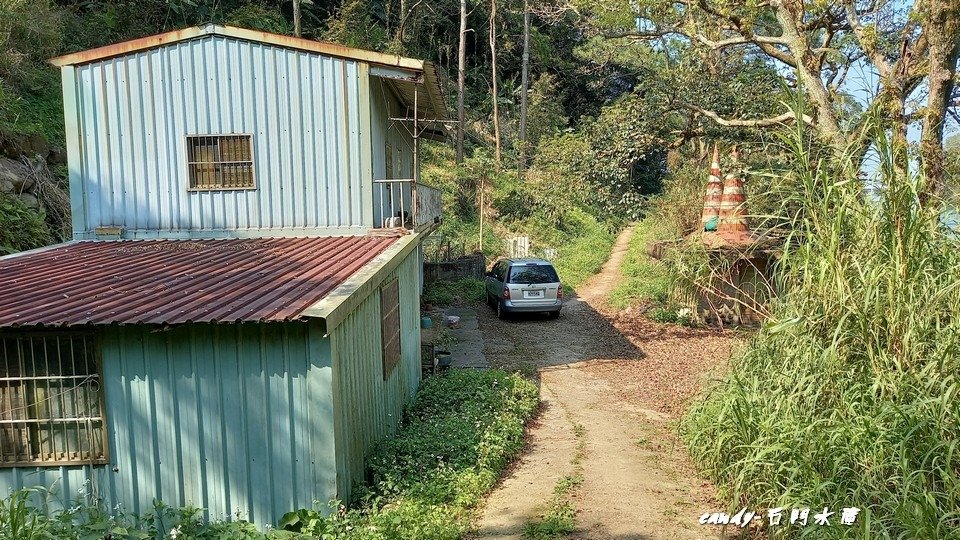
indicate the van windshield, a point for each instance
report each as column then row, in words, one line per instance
column 535, row 274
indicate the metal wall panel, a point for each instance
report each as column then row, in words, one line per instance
column 368, row 408
column 234, row 418
column 133, row 113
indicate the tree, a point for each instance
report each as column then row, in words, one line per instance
column 297, row 31
column 818, row 42
column 461, row 80
column 524, row 85
column 944, row 50
column 493, row 70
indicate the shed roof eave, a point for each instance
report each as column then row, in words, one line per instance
column 176, row 36
column 337, row 305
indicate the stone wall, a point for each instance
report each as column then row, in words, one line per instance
column 467, row 266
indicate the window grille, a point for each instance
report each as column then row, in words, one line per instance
column 390, row 326
column 220, row 161
column 51, row 407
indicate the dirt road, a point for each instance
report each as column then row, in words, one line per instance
column 604, row 449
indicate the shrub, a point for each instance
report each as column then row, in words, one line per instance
column 849, row 397
column 646, row 282
column 584, row 247
column 445, row 292
column 21, row 228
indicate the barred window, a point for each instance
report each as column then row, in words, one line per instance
column 390, row 326
column 51, row 408
column 220, row 161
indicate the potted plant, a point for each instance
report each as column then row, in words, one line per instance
column 441, row 348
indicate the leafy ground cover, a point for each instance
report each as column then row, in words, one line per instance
column 445, row 292
column 456, row 438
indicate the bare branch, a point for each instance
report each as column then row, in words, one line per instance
column 785, row 118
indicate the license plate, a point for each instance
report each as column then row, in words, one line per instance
column 533, row 294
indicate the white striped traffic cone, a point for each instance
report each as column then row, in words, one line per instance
column 733, row 209
column 710, row 217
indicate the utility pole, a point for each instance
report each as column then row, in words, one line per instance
column 461, row 80
column 524, row 86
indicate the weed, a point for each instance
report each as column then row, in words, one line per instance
column 463, row 429
column 445, row 293
column 848, row 397
column 646, row 281
column 22, row 228
column 559, row 521
column 560, row 517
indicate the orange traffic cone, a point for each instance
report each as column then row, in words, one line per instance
column 733, row 210
column 711, row 201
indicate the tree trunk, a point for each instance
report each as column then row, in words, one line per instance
column 524, row 86
column 493, row 68
column 296, row 18
column 461, row 80
column 943, row 36
column 827, row 125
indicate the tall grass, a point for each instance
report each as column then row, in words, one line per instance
column 646, row 282
column 850, row 396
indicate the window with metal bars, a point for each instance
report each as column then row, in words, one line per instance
column 220, row 161
column 390, row 326
column 51, row 406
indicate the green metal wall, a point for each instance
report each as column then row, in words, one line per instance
column 368, row 408
column 246, row 420
column 236, row 418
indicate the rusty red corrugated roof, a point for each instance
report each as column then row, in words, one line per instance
column 178, row 281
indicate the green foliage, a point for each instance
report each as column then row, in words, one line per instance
column 461, row 432
column 20, row 227
column 559, row 522
column 259, row 17
column 583, row 249
column 353, row 25
column 19, row 521
column 849, row 395
column 647, row 282
column 24, row 516
column 30, row 99
column 545, row 115
column 444, row 292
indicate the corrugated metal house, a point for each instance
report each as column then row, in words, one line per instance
column 236, row 322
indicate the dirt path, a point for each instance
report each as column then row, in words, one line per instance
column 617, row 383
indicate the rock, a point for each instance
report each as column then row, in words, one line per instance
column 6, row 186
column 30, row 201
column 57, row 156
column 17, row 174
column 30, row 144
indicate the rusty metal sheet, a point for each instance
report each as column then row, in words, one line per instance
column 178, row 281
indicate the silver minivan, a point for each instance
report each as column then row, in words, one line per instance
column 524, row 285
